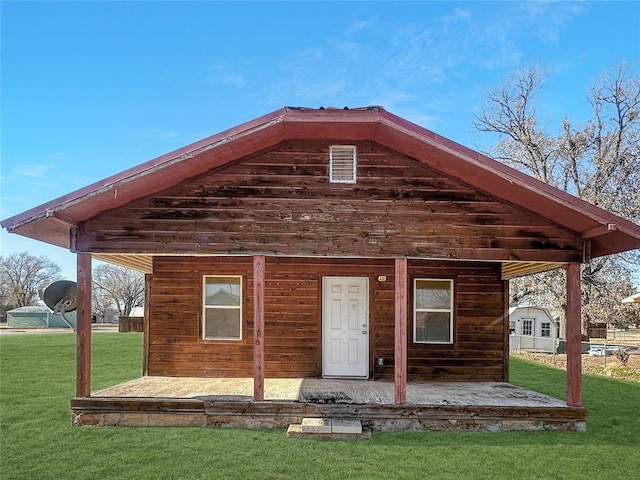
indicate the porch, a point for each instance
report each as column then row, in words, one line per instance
column 228, row 402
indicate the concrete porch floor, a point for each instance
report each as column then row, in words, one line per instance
column 332, row 391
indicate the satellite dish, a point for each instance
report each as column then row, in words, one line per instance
column 60, row 297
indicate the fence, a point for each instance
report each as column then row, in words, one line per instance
column 533, row 344
column 599, row 357
column 130, row 324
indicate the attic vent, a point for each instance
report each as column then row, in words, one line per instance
column 342, row 164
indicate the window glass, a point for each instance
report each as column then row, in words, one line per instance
column 221, row 323
column 433, row 327
column 433, row 294
column 433, row 311
column 222, row 291
column 222, row 318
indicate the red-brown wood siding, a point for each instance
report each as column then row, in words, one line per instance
column 293, row 319
column 401, row 303
column 280, row 202
column 175, row 313
column 83, row 327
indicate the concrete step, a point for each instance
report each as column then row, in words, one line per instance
column 329, row 428
column 346, row 425
column 316, row 425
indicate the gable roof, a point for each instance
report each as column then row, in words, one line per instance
column 526, row 310
column 53, row 221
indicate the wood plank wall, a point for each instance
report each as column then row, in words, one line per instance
column 175, row 304
column 293, row 319
column 280, row 202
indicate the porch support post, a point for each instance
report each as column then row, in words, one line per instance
column 574, row 337
column 258, row 328
column 505, row 326
column 401, row 299
column 145, row 324
column 83, row 326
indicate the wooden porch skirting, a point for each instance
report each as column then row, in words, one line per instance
column 163, row 401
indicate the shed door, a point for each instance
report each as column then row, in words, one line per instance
column 528, row 332
column 345, row 327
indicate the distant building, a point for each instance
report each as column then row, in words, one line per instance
column 137, row 312
column 532, row 329
column 37, row 317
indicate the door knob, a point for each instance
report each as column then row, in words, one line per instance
column 364, row 332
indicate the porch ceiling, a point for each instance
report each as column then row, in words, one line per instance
column 144, row 263
column 140, row 262
column 511, row 270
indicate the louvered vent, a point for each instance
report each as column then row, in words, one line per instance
column 342, row 164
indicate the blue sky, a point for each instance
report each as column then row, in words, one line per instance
column 92, row 88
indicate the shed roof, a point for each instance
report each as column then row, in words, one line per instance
column 30, row 309
column 526, row 310
column 53, row 221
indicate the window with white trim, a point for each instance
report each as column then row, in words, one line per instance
column 433, row 311
column 545, row 329
column 222, row 307
column 342, row 164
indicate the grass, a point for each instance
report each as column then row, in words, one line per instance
column 38, row 441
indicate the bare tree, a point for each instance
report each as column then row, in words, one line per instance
column 118, row 288
column 22, row 277
column 598, row 161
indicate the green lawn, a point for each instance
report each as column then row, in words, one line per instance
column 38, row 441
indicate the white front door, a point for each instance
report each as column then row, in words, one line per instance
column 345, row 327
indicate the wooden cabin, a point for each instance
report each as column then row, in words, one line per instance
column 341, row 244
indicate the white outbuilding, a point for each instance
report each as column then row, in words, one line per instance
column 532, row 329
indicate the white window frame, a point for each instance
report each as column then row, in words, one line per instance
column 220, row 307
column 355, row 163
column 545, row 329
column 417, row 310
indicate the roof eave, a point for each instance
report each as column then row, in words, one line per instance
column 482, row 172
column 117, row 189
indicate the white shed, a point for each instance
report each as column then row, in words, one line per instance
column 532, row 328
